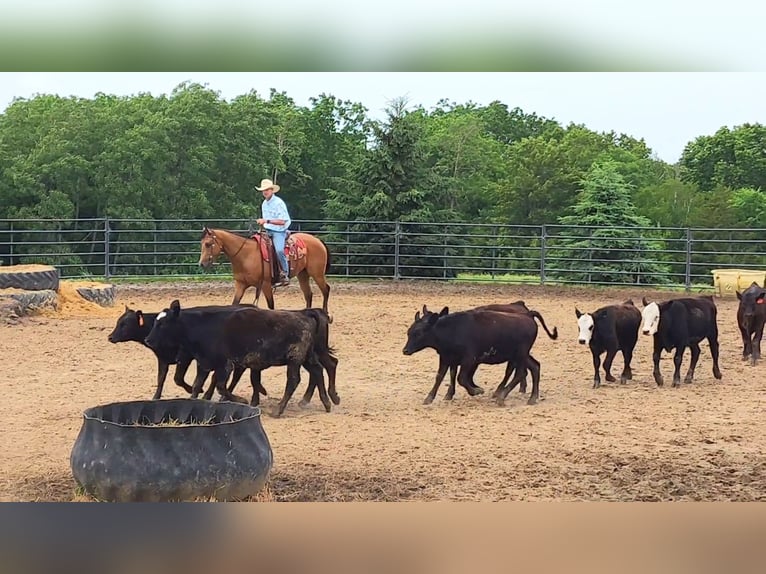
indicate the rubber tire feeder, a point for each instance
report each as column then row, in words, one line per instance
column 126, row 451
column 102, row 295
column 27, row 302
column 45, row 278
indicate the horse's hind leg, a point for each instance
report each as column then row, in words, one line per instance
column 324, row 288
column 303, row 281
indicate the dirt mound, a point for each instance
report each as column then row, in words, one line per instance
column 72, row 304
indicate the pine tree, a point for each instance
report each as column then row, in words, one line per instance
column 611, row 243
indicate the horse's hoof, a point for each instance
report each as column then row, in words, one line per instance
column 335, row 398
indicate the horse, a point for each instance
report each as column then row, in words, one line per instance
column 308, row 256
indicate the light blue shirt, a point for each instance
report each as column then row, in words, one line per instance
column 275, row 208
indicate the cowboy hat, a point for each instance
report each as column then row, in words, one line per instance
column 266, row 184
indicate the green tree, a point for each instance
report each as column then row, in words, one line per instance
column 733, row 158
column 610, row 242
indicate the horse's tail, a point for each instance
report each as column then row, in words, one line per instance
column 327, row 264
column 539, row 317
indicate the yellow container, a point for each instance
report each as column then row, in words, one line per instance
column 727, row 281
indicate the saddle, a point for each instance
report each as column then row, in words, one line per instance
column 295, row 249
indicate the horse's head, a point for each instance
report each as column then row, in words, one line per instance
column 210, row 248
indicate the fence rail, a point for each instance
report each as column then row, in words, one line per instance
column 652, row 256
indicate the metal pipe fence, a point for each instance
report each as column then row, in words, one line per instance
column 653, row 256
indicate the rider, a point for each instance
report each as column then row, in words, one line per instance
column 276, row 220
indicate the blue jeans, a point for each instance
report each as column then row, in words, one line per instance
column 279, row 238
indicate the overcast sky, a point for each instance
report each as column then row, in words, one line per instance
column 667, row 110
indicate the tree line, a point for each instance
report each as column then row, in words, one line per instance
column 192, row 154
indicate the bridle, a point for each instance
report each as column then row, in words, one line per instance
column 223, row 249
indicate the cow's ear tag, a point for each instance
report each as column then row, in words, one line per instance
column 140, row 320
column 760, row 301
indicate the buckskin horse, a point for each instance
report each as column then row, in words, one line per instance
column 253, row 260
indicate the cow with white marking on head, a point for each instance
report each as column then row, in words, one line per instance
column 608, row 330
column 677, row 324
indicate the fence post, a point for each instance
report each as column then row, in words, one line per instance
column 10, row 255
column 397, row 234
column 543, row 235
column 154, row 245
column 688, row 274
column 106, row 247
column 444, row 255
column 348, row 242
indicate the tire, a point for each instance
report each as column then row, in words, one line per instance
column 124, row 454
column 26, row 302
column 29, row 277
column 102, row 295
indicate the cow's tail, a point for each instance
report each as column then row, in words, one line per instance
column 555, row 334
column 322, row 322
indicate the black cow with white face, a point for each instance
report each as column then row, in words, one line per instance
column 751, row 316
column 677, row 324
column 608, row 330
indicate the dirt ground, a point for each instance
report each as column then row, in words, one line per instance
column 702, row 441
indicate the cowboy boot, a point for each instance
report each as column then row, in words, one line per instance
column 284, row 280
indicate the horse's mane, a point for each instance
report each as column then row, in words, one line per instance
column 206, row 229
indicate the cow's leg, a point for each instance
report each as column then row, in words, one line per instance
column 465, row 378
column 757, row 345
column 746, row 344
column 293, row 380
column 714, row 351
column 211, row 387
column 695, row 352
column 452, row 380
column 610, row 355
column 656, row 360
column 627, row 358
column 521, row 372
column 236, row 375
column 316, row 378
column 678, row 358
column 534, row 366
column 199, row 380
column 162, row 373
column 220, row 376
column 331, row 365
column 440, row 372
column 255, row 382
column 184, row 360
column 596, row 367
column 239, row 291
column 509, row 368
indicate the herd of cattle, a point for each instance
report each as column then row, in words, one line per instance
column 226, row 340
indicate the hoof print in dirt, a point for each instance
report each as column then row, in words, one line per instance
column 101, row 294
column 14, row 304
column 29, row 277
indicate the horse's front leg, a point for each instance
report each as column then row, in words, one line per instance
column 239, row 291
